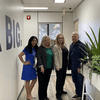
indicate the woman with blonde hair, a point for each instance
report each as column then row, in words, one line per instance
column 60, row 62
column 45, row 64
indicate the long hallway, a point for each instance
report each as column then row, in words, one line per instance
column 69, row 87
column 18, row 24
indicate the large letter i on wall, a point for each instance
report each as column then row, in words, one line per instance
column 8, row 33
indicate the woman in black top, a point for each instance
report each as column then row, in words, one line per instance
column 60, row 60
column 64, row 65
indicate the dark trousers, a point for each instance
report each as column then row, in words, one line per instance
column 78, row 81
column 43, row 80
column 60, row 80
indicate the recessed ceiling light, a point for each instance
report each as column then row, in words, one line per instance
column 35, row 7
column 59, row 1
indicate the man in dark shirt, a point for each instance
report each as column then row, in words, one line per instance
column 75, row 52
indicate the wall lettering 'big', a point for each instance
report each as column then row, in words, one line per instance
column 12, row 32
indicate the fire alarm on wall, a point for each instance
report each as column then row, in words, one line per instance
column 28, row 17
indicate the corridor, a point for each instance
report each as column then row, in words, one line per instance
column 21, row 19
column 69, row 87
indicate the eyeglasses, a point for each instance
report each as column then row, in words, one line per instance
column 61, row 38
column 46, row 40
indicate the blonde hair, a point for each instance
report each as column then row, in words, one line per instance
column 57, row 40
column 43, row 39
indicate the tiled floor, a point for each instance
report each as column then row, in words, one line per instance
column 69, row 87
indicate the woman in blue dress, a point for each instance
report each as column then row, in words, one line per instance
column 29, row 72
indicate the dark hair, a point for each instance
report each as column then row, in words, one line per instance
column 29, row 46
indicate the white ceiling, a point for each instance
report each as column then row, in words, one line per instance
column 51, row 6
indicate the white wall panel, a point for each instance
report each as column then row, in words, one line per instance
column 68, row 28
column 50, row 17
column 10, row 67
column 30, row 26
column 76, row 14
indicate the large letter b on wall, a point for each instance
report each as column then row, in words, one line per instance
column 8, row 33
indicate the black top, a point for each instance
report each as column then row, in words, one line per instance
column 64, row 57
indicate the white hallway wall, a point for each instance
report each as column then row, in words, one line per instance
column 31, row 26
column 89, row 15
column 10, row 67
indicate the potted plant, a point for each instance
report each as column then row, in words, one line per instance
column 93, row 53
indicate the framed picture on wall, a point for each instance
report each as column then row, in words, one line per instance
column 76, row 26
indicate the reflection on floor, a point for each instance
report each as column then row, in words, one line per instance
column 69, row 87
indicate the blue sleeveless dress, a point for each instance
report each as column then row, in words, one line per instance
column 29, row 73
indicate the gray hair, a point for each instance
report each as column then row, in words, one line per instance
column 43, row 39
column 75, row 32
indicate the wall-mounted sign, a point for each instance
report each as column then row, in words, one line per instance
column 28, row 17
column 12, row 33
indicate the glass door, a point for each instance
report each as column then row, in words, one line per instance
column 51, row 30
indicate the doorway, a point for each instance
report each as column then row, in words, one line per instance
column 50, row 29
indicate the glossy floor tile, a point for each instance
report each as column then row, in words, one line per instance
column 68, row 87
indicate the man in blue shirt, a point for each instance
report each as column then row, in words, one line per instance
column 75, row 52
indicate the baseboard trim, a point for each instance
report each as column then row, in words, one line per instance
column 88, row 97
column 20, row 92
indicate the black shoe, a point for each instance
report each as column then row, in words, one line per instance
column 59, row 97
column 46, row 98
column 75, row 96
column 64, row 92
